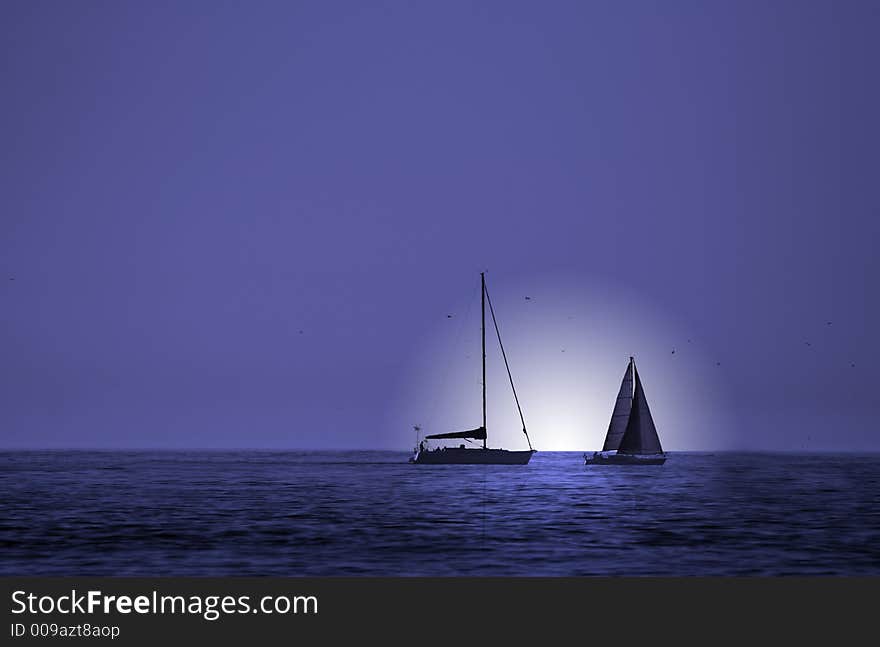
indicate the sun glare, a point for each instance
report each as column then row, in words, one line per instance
column 568, row 347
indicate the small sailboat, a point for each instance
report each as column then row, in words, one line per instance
column 632, row 437
column 461, row 455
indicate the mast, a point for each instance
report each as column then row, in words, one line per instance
column 483, row 335
column 632, row 363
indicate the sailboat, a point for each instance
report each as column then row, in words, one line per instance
column 632, row 437
column 461, row 455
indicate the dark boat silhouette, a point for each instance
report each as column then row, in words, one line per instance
column 632, row 437
column 462, row 455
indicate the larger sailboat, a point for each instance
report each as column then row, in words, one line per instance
column 484, row 455
column 632, row 437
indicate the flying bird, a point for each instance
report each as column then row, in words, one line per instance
column 449, row 316
column 673, row 351
column 528, row 298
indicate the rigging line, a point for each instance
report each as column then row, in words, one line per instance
column 507, row 366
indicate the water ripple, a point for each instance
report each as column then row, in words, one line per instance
column 371, row 513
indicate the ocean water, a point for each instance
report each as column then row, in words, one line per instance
column 372, row 513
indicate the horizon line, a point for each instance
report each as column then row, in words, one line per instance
column 367, row 449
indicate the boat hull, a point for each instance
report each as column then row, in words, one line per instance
column 599, row 458
column 459, row 456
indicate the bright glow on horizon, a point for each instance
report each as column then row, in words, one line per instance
column 568, row 346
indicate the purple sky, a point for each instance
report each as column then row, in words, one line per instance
column 184, row 186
